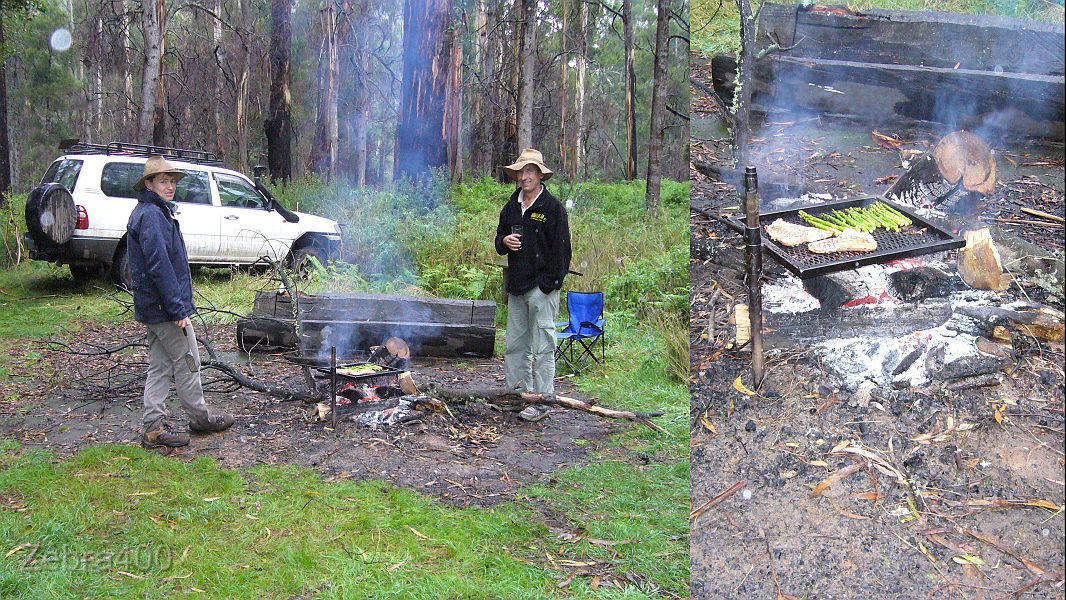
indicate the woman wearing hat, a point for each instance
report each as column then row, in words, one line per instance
column 162, row 300
column 534, row 235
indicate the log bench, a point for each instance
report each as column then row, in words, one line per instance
column 354, row 322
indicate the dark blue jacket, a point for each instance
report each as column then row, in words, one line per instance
column 544, row 259
column 162, row 283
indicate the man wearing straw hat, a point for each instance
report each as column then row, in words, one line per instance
column 534, row 235
column 162, row 300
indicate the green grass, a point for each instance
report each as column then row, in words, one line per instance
column 283, row 531
column 716, row 29
column 90, row 525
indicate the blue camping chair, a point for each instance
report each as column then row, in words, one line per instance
column 583, row 332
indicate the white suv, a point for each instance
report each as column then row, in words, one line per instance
column 78, row 215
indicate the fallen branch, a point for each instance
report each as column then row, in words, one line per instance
column 508, row 397
column 736, row 487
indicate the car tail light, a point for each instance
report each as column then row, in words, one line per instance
column 83, row 218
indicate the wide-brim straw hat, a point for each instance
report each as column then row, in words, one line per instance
column 528, row 156
column 156, row 165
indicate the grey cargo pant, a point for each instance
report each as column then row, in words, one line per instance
column 168, row 363
column 529, row 360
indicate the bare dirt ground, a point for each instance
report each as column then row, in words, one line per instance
column 977, row 509
column 476, row 456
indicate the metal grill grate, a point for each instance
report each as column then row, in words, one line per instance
column 920, row 238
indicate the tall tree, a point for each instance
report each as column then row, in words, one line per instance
column 526, row 53
column 427, row 60
column 278, row 124
column 579, row 92
column 630, row 91
column 324, row 147
column 5, row 143
column 151, row 82
column 658, row 102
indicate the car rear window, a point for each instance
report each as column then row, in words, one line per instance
column 117, row 180
column 64, row 172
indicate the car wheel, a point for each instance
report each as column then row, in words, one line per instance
column 84, row 273
column 51, row 215
column 303, row 261
column 120, row 269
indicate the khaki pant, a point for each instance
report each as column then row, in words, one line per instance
column 530, row 357
column 168, row 364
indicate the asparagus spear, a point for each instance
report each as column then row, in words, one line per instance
column 819, row 223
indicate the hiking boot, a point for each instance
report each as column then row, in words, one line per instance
column 161, row 435
column 533, row 413
column 215, row 423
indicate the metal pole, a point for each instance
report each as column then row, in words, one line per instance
column 753, row 254
column 333, row 386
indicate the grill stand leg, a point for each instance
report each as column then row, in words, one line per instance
column 753, row 255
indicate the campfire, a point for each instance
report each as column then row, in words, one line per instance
column 905, row 314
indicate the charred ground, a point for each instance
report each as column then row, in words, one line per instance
column 946, row 533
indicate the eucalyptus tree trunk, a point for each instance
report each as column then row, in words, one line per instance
column 151, row 24
column 218, row 144
column 421, row 142
column 242, row 87
column 278, row 124
column 5, row 144
column 658, row 102
column 631, row 97
column 579, row 93
column 526, row 53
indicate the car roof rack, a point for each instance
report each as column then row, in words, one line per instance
column 200, row 157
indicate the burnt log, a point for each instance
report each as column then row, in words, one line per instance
column 266, row 334
column 882, row 65
column 425, row 339
column 358, row 322
column 801, row 330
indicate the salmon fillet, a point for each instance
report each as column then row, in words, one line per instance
column 848, row 240
column 790, row 234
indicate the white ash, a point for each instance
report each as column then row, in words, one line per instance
column 858, row 359
column 788, row 296
column 377, row 419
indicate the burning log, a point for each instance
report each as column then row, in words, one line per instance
column 504, row 396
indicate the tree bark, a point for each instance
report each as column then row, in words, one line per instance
column 278, row 124
column 564, row 84
column 453, row 106
column 630, row 91
column 151, row 24
column 742, row 100
column 579, row 93
column 427, row 62
column 218, row 145
column 361, row 116
column 242, row 88
column 483, row 109
column 5, row 143
column 658, row 101
column 526, row 53
column 323, row 150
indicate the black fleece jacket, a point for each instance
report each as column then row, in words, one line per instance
column 545, row 255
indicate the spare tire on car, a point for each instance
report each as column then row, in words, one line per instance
column 51, row 215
